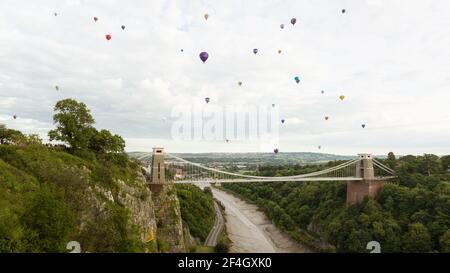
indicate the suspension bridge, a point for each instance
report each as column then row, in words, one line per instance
column 364, row 174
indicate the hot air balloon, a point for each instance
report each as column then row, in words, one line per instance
column 57, row 88
column 14, row 117
column 204, row 56
column 293, row 21
column 182, row 50
column 297, row 79
column 326, row 118
column 95, row 19
column 273, row 104
column 282, row 121
column 275, row 151
column 279, row 51
column 240, row 83
column 322, row 92
column 255, row 50
column 206, row 16
column 207, row 100
column 123, row 27
column 56, row 14
column 282, row 26
column 341, row 97
column 108, row 37
column 227, row 140
column 319, row 147
column 363, row 125
column 343, row 10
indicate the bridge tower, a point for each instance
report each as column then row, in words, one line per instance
column 368, row 186
column 158, row 175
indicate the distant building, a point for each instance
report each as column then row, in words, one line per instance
column 179, row 174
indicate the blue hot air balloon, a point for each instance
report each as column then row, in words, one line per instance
column 255, row 50
column 297, row 79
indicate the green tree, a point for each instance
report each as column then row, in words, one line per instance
column 73, row 124
column 417, row 239
column 105, row 142
column 430, row 164
column 9, row 135
column 445, row 161
column 391, row 161
column 222, row 247
column 444, row 241
column 48, row 223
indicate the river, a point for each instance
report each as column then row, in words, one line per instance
column 251, row 231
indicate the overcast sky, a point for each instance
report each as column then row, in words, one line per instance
column 390, row 58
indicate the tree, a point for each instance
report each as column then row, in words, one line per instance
column 417, row 239
column 430, row 164
column 9, row 135
column 48, row 223
column 73, row 124
column 391, row 161
column 444, row 241
column 445, row 161
column 222, row 247
column 105, row 142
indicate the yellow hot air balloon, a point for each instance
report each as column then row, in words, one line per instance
column 341, row 97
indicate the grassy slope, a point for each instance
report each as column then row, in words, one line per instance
column 43, row 190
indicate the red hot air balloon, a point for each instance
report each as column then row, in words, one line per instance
column 108, row 37
column 204, row 56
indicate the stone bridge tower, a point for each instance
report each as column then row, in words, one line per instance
column 157, row 175
column 368, row 186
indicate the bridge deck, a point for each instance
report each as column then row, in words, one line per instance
column 276, row 180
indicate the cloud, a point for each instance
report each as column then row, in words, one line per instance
column 389, row 58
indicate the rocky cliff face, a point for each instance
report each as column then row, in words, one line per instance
column 157, row 216
column 169, row 223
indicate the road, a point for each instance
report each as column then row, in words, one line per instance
column 250, row 230
column 214, row 234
